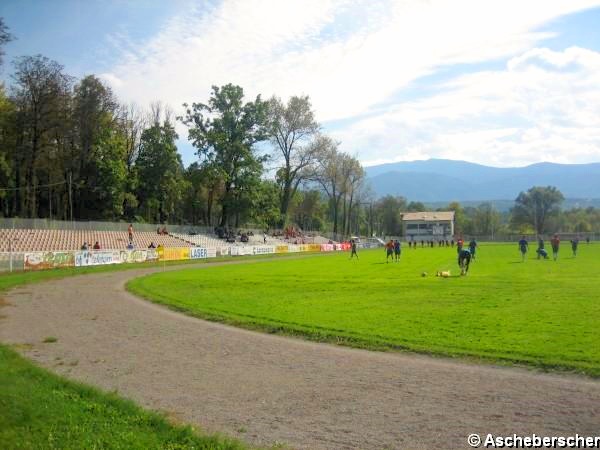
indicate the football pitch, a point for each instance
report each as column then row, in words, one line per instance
column 538, row 313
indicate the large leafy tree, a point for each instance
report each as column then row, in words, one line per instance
column 536, row 206
column 108, row 172
column 7, row 149
column 41, row 93
column 388, row 211
column 292, row 127
column 224, row 132
column 329, row 173
column 460, row 218
column 95, row 123
column 486, row 220
column 160, row 173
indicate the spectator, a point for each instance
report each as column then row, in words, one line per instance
column 85, row 246
column 152, row 245
column 264, row 238
column 97, row 246
column 164, row 231
column 158, row 230
column 130, row 232
column 130, row 246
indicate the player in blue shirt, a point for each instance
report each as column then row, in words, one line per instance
column 574, row 245
column 523, row 246
column 473, row 247
column 464, row 259
column 397, row 250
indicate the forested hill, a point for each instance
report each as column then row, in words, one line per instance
column 440, row 180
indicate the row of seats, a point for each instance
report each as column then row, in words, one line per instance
column 201, row 240
column 23, row 240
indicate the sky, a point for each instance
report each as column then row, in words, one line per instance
column 502, row 83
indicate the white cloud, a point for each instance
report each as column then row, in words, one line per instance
column 533, row 110
column 350, row 56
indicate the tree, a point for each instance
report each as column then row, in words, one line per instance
column 265, row 204
column 95, row 122
column 329, row 172
column 416, row 207
column 353, row 176
column 108, row 172
column 536, row 206
column 486, row 220
column 224, row 132
column 387, row 211
column 40, row 93
column 5, row 37
column 460, row 220
column 310, row 209
column 292, row 126
column 7, row 150
column 160, row 173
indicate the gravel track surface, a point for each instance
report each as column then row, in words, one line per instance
column 267, row 389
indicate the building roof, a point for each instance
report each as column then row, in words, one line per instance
column 428, row 216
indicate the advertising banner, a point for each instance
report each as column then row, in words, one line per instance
column 281, row 249
column 327, row 247
column 48, row 260
column 97, row 258
column 314, row 247
column 241, row 251
column 263, row 249
column 176, row 253
column 151, row 254
column 294, row 248
column 202, row 253
column 133, row 256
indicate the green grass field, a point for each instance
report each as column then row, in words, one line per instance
column 539, row 313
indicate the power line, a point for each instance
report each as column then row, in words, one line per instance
column 39, row 186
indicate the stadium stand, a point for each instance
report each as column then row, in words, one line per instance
column 323, row 240
column 201, row 240
column 24, row 240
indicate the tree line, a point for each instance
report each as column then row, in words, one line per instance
column 69, row 149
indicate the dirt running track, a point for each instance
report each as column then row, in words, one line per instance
column 266, row 389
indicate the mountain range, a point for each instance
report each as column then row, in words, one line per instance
column 443, row 180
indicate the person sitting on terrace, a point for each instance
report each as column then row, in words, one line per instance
column 164, row 231
column 152, row 245
column 85, row 246
column 97, row 246
column 130, row 245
